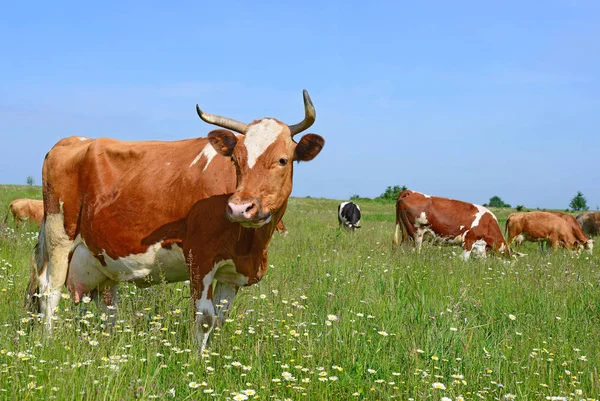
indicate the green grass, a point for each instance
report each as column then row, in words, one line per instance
column 399, row 322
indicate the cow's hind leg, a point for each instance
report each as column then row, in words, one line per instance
column 53, row 277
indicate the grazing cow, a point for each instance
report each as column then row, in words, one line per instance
column 147, row 212
column 540, row 227
column 25, row 209
column 590, row 223
column 588, row 243
column 349, row 215
column 448, row 221
column 280, row 228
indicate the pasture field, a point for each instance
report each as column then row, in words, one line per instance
column 337, row 317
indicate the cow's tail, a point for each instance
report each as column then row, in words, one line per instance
column 8, row 212
column 39, row 259
column 399, row 231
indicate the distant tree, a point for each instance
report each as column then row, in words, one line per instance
column 30, row 180
column 578, row 202
column 520, row 208
column 496, row 201
column 355, row 197
column 391, row 193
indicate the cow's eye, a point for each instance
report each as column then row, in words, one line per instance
column 283, row 161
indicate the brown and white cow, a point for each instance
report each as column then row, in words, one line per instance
column 580, row 236
column 25, row 209
column 541, row 227
column 448, row 221
column 144, row 212
column 590, row 223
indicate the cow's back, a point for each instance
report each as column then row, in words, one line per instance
column 152, row 185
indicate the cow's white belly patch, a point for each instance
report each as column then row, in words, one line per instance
column 156, row 265
column 151, row 267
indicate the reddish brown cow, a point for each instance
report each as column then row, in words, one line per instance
column 25, row 209
column 587, row 243
column 203, row 209
column 540, row 227
column 448, row 221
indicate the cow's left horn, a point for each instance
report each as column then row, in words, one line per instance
column 222, row 121
column 309, row 116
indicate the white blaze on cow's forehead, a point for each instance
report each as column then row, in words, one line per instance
column 208, row 152
column 259, row 137
column 421, row 193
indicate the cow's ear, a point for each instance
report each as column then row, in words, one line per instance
column 309, row 147
column 223, row 141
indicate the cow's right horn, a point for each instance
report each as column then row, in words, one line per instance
column 223, row 122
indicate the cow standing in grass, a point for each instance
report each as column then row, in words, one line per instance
column 349, row 215
column 588, row 243
column 147, row 212
column 25, row 209
column 448, row 221
column 541, row 227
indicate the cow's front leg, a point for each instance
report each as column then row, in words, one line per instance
column 201, row 281
column 223, row 296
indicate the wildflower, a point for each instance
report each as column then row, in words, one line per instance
column 249, row 391
column 512, row 317
column 208, row 391
column 328, row 323
column 86, row 299
column 445, row 399
column 383, row 333
column 438, row 385
column 171, row 392
column 93, row 343
column 262, row 296
column 453, row 329
column 583, row 358
column 333, row 378
column 287, row 376
column 194, row 385
column 371, row 371
column 240, row 397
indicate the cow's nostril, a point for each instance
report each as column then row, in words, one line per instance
column 249, row 208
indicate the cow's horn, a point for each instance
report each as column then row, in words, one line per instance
column 222, row 121
column 309, row 116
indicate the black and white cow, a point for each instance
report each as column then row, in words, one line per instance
column 349, row 215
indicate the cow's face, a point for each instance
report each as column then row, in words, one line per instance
column 263, row 156
column 263, row 159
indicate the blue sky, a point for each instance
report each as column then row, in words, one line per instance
column 459, row 99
